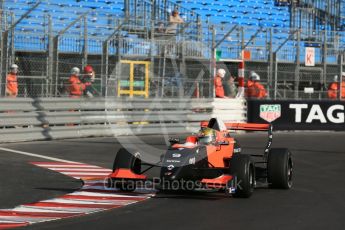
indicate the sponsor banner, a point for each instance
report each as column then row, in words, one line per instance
column 298, row 114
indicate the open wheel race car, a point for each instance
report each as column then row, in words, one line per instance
column 210, row 159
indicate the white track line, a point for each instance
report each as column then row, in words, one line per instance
column 40, row 210
column 37, row 155
column 66, row 201
column 73, row 169
column 62, row 209
column 99, row 194
column 26, row 219
column 85, row 173
column 81, row 166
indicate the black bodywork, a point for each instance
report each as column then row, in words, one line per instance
column 187, row 164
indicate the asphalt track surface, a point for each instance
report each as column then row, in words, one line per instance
column 316, row 201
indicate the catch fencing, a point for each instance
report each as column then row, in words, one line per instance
column 46, row 53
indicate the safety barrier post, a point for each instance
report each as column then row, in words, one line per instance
column 240, row 79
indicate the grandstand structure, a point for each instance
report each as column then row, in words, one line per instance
column 48, row 37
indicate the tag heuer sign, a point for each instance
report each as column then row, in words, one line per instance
column 270, row 112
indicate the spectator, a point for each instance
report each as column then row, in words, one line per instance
column 88, row 79
column 76, row 87
column 12, row 82
column 174, row 20
column 254, row 88
column 230, row 89
column 334, row 88
column 218, row 83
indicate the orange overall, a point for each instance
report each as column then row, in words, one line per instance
column 333, row 90
column 11, row 85
column 218, row 84
column 255, row 90
column 76, row 87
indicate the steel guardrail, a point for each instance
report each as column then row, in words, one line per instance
column 28, row 119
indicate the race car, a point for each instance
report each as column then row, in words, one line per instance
column 210, row 159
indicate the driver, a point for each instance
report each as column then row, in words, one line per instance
column 206, row 136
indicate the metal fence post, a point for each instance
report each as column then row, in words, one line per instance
column 275, row 60
column 105, row 62
column 126, row 8
column 270, row 64
column 213, row 62
column 12, row 51
column 85, row 47
column 4, row 62
column 325, row 51
column 298, row 62
column 341, row 63
column 152, row 44
column 50, row 59
column 242, row 43
column 55, row 76
column 1, row 50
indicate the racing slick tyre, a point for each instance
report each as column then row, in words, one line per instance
column 243, row 171
column 127, row 160
column 279, row 168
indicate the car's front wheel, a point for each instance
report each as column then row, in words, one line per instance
column 243, row 171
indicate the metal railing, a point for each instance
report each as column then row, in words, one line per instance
column 57, row 118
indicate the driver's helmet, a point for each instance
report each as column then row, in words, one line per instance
column 206, row 136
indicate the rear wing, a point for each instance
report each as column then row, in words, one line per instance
column 242, row 126
column 249, row 127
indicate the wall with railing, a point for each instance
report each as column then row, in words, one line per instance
column 57, row 118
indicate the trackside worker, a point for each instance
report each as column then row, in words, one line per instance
column 76, row 87
column 88, row 79
column 218, row 83
column 254, row 88
column 12, row 82
column 334, row 88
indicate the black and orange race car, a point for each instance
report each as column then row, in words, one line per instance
column 210, row 159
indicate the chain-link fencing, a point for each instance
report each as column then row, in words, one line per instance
column 181, row 65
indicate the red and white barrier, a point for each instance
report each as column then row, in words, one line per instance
column 240, row 80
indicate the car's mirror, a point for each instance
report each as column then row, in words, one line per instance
column 174, row 140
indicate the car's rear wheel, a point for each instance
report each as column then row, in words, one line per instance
column 243, row 172
column 280, row 168
column 127, row 160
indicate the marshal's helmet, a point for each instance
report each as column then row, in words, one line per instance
column 206, row 136
column 254, row 76
column 88, row 69
column 75, row 71
column 14, row 68
column 221, row 73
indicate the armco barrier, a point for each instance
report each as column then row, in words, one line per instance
column 55, row 118
column 298, row 114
